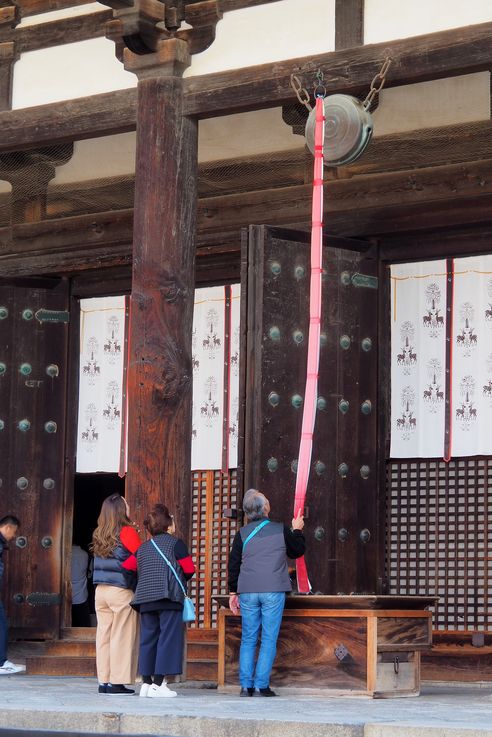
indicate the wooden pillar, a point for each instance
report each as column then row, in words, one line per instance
column 7, row 61
column 160, row 373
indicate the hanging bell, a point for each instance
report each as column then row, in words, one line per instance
column 348, row 129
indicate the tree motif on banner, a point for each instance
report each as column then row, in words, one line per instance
column 234, row 421
column 211, row 342
column 235, row 353
column 209, row 408
column 194, row 360
column 467, row 339
column 408, row 356
column 91, row 367
column 434, row 395
column 487, row 389
column 407, row 423
column 488, row 313
column 433, row 321
column 112, row 346
column 90, row 434
column 112, row 410
column 466, row 413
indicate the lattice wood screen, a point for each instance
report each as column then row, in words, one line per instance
column 440, row 537
column 213, row 492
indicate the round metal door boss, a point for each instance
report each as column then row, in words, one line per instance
column 348, row 129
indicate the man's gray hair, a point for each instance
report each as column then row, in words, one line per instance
column 254, row 504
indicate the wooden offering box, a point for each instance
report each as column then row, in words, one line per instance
column 364, row 645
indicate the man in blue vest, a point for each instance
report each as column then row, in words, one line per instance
column 8, row 530
column 258, row 582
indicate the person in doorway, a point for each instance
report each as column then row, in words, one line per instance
column 9, row 526
column 114, row 544
column 258, row 582
column 159, row 599
column 81, row 616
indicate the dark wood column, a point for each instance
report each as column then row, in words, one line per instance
column 160, row 374
column 7, row 60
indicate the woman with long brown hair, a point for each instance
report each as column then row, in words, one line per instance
column 114, row 544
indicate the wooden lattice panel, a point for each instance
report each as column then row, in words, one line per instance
column 212, row 535
column 439, row 539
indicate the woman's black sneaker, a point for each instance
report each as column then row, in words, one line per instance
column 118, row 688
column 102, row 688
column 266, row 692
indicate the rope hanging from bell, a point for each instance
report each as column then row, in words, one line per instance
column 314, row 337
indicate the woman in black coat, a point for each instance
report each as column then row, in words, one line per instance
column 159, row 599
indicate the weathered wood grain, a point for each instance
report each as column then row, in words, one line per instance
column 55, row 33
column 349, row 23
column 393, row 632
column 159, row 372
column 306, row 652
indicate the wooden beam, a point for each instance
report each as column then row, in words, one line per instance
column 434, row 56
column 70, row 120
column 349, row 23
column 379, row 204
column 227, row 5
column 416, row 59
column 35, row 7
column 57, row 32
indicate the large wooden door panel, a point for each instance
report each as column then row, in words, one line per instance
column 341, row 528
column 33, row 351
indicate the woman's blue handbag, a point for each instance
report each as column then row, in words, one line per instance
column 188, row 610
column 188, row 605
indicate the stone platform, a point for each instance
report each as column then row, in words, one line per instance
column 72, row 706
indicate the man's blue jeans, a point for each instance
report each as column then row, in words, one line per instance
column 259, row 611
column 4, row 635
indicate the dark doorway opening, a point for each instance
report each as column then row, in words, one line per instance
column 90, row 490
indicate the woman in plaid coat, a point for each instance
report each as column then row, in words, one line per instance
column 159, row 599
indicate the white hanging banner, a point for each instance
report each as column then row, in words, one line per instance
column 418, row 359
column 215, row 378
column 472, row 357
column 101, row 376
column 208, row 378
column 234, row 374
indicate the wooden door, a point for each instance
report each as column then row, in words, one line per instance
column 33, row 379
column 342, row 500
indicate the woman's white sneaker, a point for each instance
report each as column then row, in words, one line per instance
column 9, row 668
column 144, row 689
column 160, row 692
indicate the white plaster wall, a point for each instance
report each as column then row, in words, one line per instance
column 268, row 33
column 246, row 134
column 389, row 19
column 111, row 156
column 258, row 35
column 69, row 71
column 436, row 103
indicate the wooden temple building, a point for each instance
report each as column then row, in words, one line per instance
column 149, row 148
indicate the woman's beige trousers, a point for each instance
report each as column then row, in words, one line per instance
column 116, row 635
